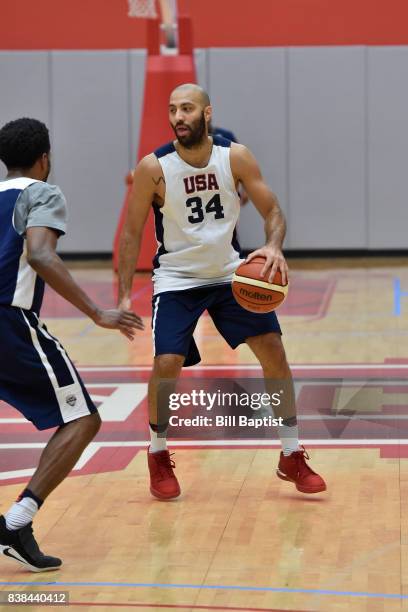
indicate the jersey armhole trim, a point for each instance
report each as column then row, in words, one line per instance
column 165, row 150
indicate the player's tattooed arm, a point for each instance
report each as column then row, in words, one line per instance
column 245, row 169
column 142, row 195
column 158, row 180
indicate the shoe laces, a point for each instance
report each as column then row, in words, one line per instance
column 166, row 464
column 304, row 452
column 301, row 456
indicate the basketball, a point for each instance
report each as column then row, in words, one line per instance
column 251, row 290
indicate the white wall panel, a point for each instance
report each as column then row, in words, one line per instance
column 91, row 131
column 327, row 148
column 248, row 93
column 388, row 147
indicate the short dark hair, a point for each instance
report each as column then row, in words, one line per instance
column 23, row 142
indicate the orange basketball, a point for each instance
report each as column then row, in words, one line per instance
column 252, row 291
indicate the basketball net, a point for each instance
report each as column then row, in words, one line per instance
column 146, row 9
column 142, row 8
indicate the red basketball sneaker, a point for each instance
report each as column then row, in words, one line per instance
column 163, row 483
column 295, row 469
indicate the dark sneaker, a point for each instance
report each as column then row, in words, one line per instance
column 20, row 545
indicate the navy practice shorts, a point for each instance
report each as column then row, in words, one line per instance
column 36, row 375
column 175, row 316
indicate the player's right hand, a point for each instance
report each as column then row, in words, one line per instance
column 123, row 320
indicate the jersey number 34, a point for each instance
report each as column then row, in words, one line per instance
column 197, row 208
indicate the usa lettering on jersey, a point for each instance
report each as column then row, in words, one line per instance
column 200, row 182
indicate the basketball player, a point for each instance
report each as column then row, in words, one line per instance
column 191, row 184
column 36, row 375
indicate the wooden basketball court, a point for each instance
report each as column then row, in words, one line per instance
column 238, row 538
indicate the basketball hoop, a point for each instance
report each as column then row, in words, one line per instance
column 146, row 9
column 142, row 8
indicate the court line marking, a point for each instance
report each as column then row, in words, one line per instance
column 180, row 443
column 311, row 367
column 398, row 294
column 300, row 417
column 177, row 606
column 27, row 473
column 242, row 444
column 86, row 456
column 212, row 587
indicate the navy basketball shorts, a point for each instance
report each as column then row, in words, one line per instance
column 175, row 316
column 36, row 375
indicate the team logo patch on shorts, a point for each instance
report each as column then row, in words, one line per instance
column 71, row 400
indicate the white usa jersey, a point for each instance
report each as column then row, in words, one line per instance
column 195, row 227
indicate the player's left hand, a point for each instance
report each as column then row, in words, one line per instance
column 125, row 305
column 274, row 261
column 124, row 321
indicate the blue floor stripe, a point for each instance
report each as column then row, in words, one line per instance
column 398, row 295
column 211, row 587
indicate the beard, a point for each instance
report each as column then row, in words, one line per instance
column 196, row 134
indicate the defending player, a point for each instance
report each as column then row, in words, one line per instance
column 192, row 185
column 36, row 375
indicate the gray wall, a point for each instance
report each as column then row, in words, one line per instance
column 326, row 162
column 328, row 125
column 91, row 102
column 248, row 92
column 387, row 135
column 90, row 136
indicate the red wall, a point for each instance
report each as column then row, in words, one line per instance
column 103, row 24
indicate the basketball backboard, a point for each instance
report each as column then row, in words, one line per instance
column 165, row 10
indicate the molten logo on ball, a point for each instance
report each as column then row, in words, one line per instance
column 255, row 295
column 253, row 291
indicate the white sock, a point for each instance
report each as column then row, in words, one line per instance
column 157, row 443
column 289, row 437
column 21, row 513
